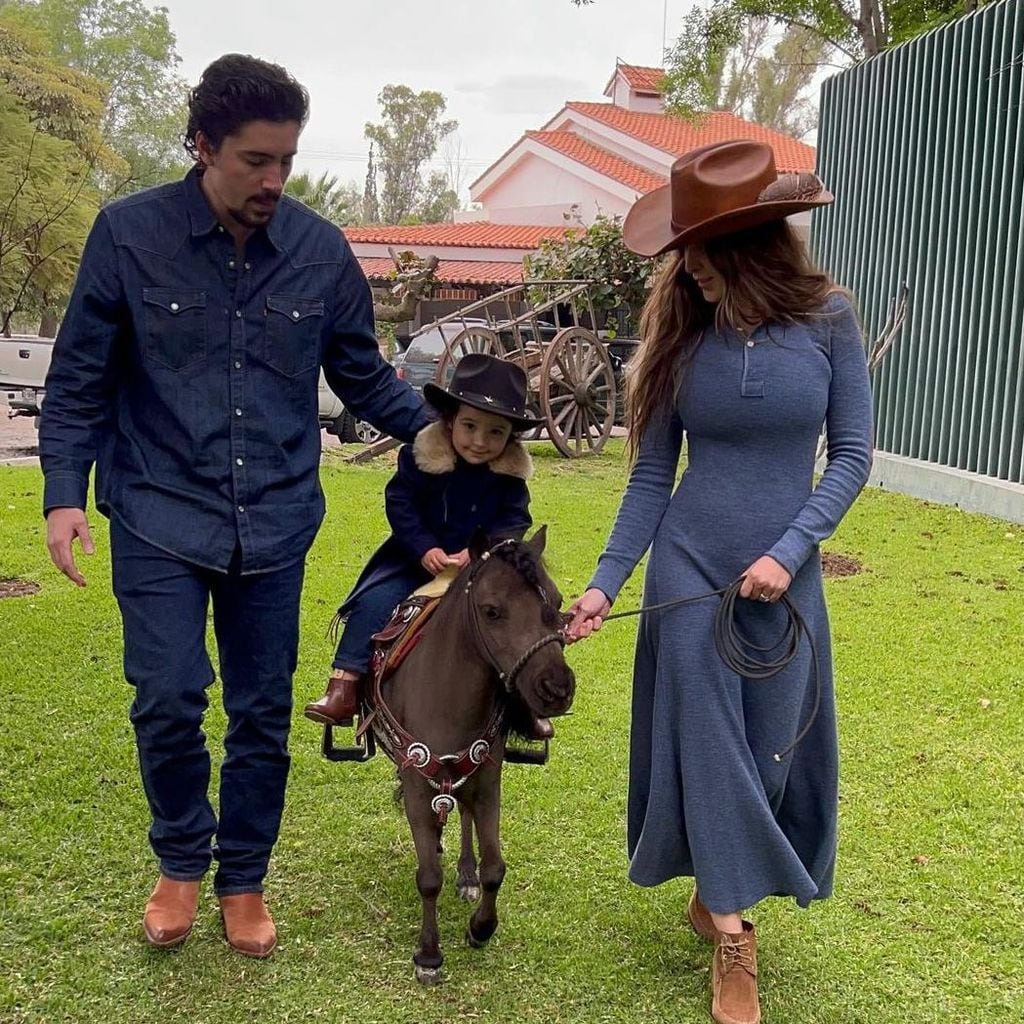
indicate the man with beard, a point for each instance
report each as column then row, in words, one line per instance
column 186, row 370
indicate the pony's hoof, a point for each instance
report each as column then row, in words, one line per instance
column 469, row 893
column 473, row 941
column 428, row 975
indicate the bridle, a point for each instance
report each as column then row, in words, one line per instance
column 409, row 752
column 506, row 676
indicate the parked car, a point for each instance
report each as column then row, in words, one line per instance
column 24, row 360
column 337, row 420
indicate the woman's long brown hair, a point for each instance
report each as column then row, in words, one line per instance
column 768, row 276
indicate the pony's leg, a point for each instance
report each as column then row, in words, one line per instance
column 425, row 834
column 487, row 813
column 467, row 883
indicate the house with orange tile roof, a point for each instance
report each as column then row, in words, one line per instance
column 589, row 158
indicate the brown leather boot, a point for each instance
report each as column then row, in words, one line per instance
column 170, row 912
column 700, row 919
column 734, row 978
column 339, row 705
column 248, row 925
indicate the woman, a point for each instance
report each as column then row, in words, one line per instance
column 747, row 349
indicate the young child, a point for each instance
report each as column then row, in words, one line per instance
column 464, row 472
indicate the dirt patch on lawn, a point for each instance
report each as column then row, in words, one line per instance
column 11, row 586
column 833, row 565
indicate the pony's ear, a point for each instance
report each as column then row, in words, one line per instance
column 535, row 545
column 478, row 544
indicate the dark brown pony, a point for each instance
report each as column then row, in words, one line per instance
column 489, row 659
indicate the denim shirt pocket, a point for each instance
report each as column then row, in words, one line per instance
column 175, row 326
column 291, row 341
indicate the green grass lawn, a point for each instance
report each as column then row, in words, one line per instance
column 925, row 925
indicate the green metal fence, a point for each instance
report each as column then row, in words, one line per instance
column 924, row 149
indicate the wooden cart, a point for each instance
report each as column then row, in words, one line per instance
column 540, row 325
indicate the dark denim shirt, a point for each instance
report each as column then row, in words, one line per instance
column 189, row 377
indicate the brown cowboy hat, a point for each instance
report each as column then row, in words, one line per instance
column 716, row 190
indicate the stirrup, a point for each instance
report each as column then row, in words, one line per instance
column 530, row 752
column 362, row 750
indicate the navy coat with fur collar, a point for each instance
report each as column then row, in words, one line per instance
column 438, row 500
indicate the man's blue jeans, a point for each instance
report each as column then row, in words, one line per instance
column 164, row 602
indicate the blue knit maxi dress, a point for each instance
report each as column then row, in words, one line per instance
column 706, row 797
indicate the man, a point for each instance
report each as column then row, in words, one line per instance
column 186, row 369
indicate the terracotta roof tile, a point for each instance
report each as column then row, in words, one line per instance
column 676, row 135
column 451, row 271
column 600, row 160
column 474, row 234
column 643, row 79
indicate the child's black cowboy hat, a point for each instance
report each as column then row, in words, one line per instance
column 484, row 382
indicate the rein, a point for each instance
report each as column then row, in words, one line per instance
column 408, row 752
column 735, row 650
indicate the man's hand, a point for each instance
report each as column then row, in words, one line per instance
column 63, row 525
column 588, row 612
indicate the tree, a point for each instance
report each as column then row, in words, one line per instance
column 130, row 48
column 46, row 208
column 439, row 201
column 371, row 205
column 407, row 136
column 340, row 204
column 50, row 123
column 596, row 253
column 850, row 30
column 763, row 76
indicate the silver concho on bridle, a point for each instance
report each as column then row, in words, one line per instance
column 479, row 751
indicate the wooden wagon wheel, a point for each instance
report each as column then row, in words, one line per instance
column 577, row 392
column 470, row 339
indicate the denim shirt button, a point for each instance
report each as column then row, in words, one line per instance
column 241, row 508
column 295, row 314
column 238, row 312
column 175, row 307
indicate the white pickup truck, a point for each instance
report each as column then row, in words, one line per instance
column 25, row 358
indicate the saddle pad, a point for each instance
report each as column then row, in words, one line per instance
column 438, row 586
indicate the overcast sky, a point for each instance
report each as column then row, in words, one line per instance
column 504, row 66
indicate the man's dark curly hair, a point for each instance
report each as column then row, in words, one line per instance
column 236, row 89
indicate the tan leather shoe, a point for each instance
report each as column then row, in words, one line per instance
column 734, row 978
column 339, row 705
column 247, row 924
column 700, row 919
column 170, row 912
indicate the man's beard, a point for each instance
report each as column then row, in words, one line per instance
column 255, row 218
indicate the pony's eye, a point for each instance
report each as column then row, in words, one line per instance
column 492, row 612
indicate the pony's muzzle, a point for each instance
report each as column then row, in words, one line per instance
column 555, row 688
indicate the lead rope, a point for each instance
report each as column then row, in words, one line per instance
column 735, row 650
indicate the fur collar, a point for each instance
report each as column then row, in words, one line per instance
column 434, row 453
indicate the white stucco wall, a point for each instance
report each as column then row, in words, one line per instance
column 622, row 96
column 539, row 191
